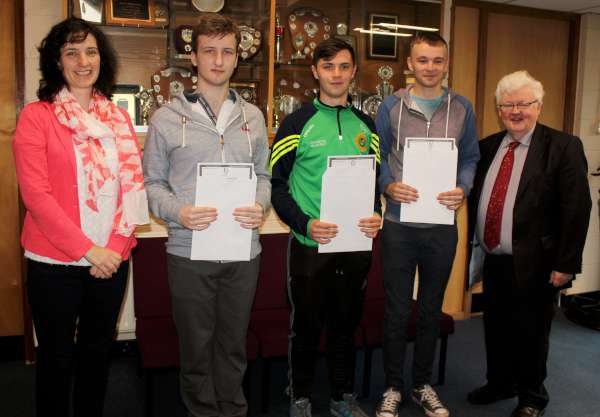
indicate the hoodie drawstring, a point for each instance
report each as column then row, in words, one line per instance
column 183, row 123
column 247, row 130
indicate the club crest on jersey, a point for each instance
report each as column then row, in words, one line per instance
column 360, row 141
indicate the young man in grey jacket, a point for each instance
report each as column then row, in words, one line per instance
column 211, row 300
column 424, row 109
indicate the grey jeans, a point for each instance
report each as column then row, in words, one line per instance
column 211, row 308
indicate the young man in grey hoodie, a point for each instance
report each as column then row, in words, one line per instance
column 423, row 109
column 211, row 300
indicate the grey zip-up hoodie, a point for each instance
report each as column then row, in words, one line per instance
column 178, row 139
column 399, row 117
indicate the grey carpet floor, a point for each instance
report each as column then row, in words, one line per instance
column 573, row 381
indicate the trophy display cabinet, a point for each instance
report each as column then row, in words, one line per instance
column 153, row 43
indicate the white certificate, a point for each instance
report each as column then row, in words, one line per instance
column 347, row 195
column 429, row 166
column 224, row 187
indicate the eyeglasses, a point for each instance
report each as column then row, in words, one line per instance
column 507, row 107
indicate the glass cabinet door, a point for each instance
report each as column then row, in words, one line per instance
column 370, row 26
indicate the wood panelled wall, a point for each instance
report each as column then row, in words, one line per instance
column 491, row 40
column 536, row 44
column 464, row 45
column 11, row 295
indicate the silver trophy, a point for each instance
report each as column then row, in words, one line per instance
column 384, row 88
column 146, row 98
column 371, row 105
column 341, row 29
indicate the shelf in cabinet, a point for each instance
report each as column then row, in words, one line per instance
column 292, row 65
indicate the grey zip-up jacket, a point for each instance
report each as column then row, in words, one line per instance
column 399, row 117
column 178, row 139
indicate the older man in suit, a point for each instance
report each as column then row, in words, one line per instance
column 529, row 212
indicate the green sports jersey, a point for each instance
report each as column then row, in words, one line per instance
column 299, row 155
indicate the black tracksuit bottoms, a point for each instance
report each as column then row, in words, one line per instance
column 324, row 289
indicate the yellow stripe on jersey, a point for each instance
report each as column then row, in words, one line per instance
column 375, row 139
column 290, row 146
column 283, row 142
column 375, row 147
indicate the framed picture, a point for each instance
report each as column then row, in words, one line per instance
column 124, row 96
column 91, row 10
column 382, row 46
column 130, row 12
column 248, row 90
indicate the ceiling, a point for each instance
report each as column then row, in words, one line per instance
column 574, row 6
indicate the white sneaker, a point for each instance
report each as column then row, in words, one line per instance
column 347, row 407
column 300, row 408
column 426, row 397
column 388, row 406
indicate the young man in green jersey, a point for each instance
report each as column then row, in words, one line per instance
column 324, row 288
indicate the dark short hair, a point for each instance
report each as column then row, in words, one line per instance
column 73, row 30
column 329, row 48
column 214, row 24
column 430, row 38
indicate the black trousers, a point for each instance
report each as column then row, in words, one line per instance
column 403, row 250
column 67, row 303
column 517, row 328
column 324, row 288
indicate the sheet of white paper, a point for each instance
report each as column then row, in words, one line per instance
column 347, row 195
column 225, row 187
column 429, row 166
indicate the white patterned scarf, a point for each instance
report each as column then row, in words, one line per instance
column 103, row 121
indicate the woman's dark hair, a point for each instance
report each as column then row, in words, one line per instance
column 329, row 48
column 74, row 30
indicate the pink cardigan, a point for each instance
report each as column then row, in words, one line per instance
column 47, row 175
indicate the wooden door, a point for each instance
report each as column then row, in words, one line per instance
column 11, row 296
column 541, row 46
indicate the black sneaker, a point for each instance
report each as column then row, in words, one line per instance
column 426, row 397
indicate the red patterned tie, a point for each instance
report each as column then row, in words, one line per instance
column 493, row 218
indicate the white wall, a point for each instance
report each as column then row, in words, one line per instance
column 587, row 123
column 40, row 15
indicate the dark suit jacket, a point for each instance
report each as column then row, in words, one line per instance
column 552, row 206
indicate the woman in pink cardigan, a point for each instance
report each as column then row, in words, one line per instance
column 79, row 171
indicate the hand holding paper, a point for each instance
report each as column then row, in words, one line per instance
column 402, row 193
column 370, row 225
column 197, row 218
column 452, row 199
column 250, row 217
column 322, row 232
